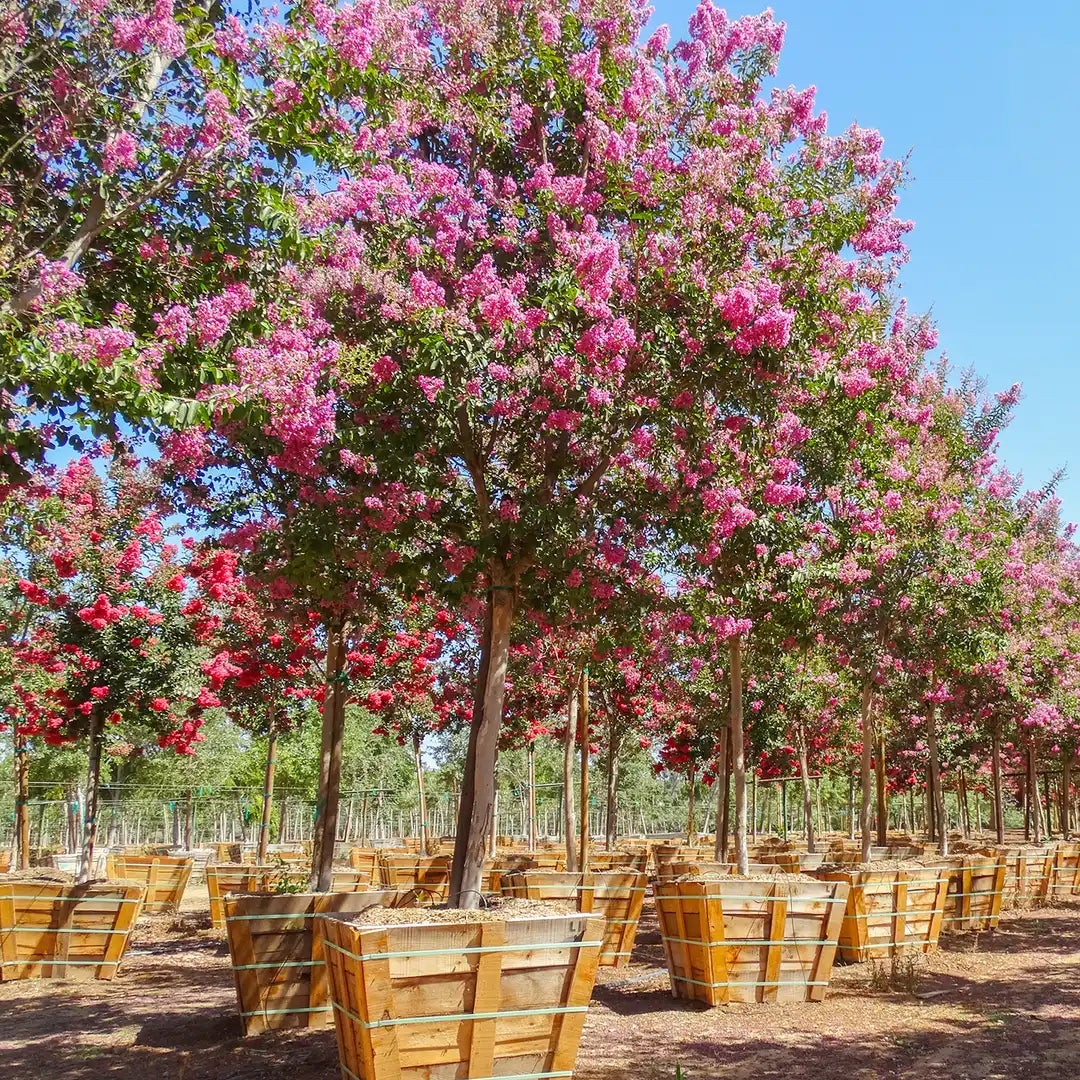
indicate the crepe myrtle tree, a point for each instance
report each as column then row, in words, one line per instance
column 265, row 668
column 144, row 148
column 106, row 597
column 541, row 248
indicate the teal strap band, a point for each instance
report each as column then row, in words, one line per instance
column 282, row 1012
column 52, row 962
column 397, row 1021
column 279, row 964
column 889, row 914
column 740, row 942
column 58, row 930
column 97, row 901
column 774, row 982
column 761, row 899
column 516, row 1076
column 469, row 951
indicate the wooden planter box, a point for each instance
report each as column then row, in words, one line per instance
column 1064, row 881
column 616, row 896
column 618, row 860
column 366, row 860
column 468, row 1001
column 277, row 960
column 240, row 878
column 429, row 874
column 1027, row 873
column 164, row 876
column 665, row 854
column 793, row 862
column 975, row 892
column 890, row 911
column 745, row 940
column 50, row 930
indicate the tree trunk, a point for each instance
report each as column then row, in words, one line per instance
column 851, row 806
column 1033, row 793
column 807, row 793
column 189, row 822
column 268, row 792
column 721, row 782
column 611, row 814
column 691, row 824
column 478, row 784
column 22, row 804
column 93, row 786
column 1049, row 834
column 1066, row 792
column 999, row 809
column 466, row 797
column 866, row 768
column 725, row 821
column 882, row 793
column 961, row 795
column 426, row 845
column 532, row 795
column 738, row 755
column 936, row 794
column 333, row 736
column 583, row 724
column 753, row 801
column 569, row 817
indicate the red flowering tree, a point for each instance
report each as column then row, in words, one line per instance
column 105, row 594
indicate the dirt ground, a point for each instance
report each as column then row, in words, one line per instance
column 1000, row 1006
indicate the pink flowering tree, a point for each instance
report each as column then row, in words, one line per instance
column 145, row 146
column 556, row 248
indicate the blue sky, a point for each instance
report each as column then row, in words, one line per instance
column 984, row 97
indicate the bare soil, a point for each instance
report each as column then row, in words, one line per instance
column 994, row 1006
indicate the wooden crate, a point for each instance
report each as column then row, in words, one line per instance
column 665, row 854
column 240, row 878
column 616, row 896
column 975, row 892
column 504, row 864
column 428, row 873
column 682, row 867
column 792, row 862
column 349, row 881
column 52, row 930
column 1064, row 880
column 366, row 860
column 277, row 960
column 164, row 876
column 1027, row 873
column 466, row 1000
column 890, row 911
column 737, row 939
column 618, row 860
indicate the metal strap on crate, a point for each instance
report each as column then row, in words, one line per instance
column 51, row 961
column 516, row 1076
column 472, row 949
column 282, row 1012
column 767, row 982
column 110, row 900
column 915, row 913
column 59, row 930
column 279, row 964
column 397, row 1021
column 761, row 899
column 751, row 941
